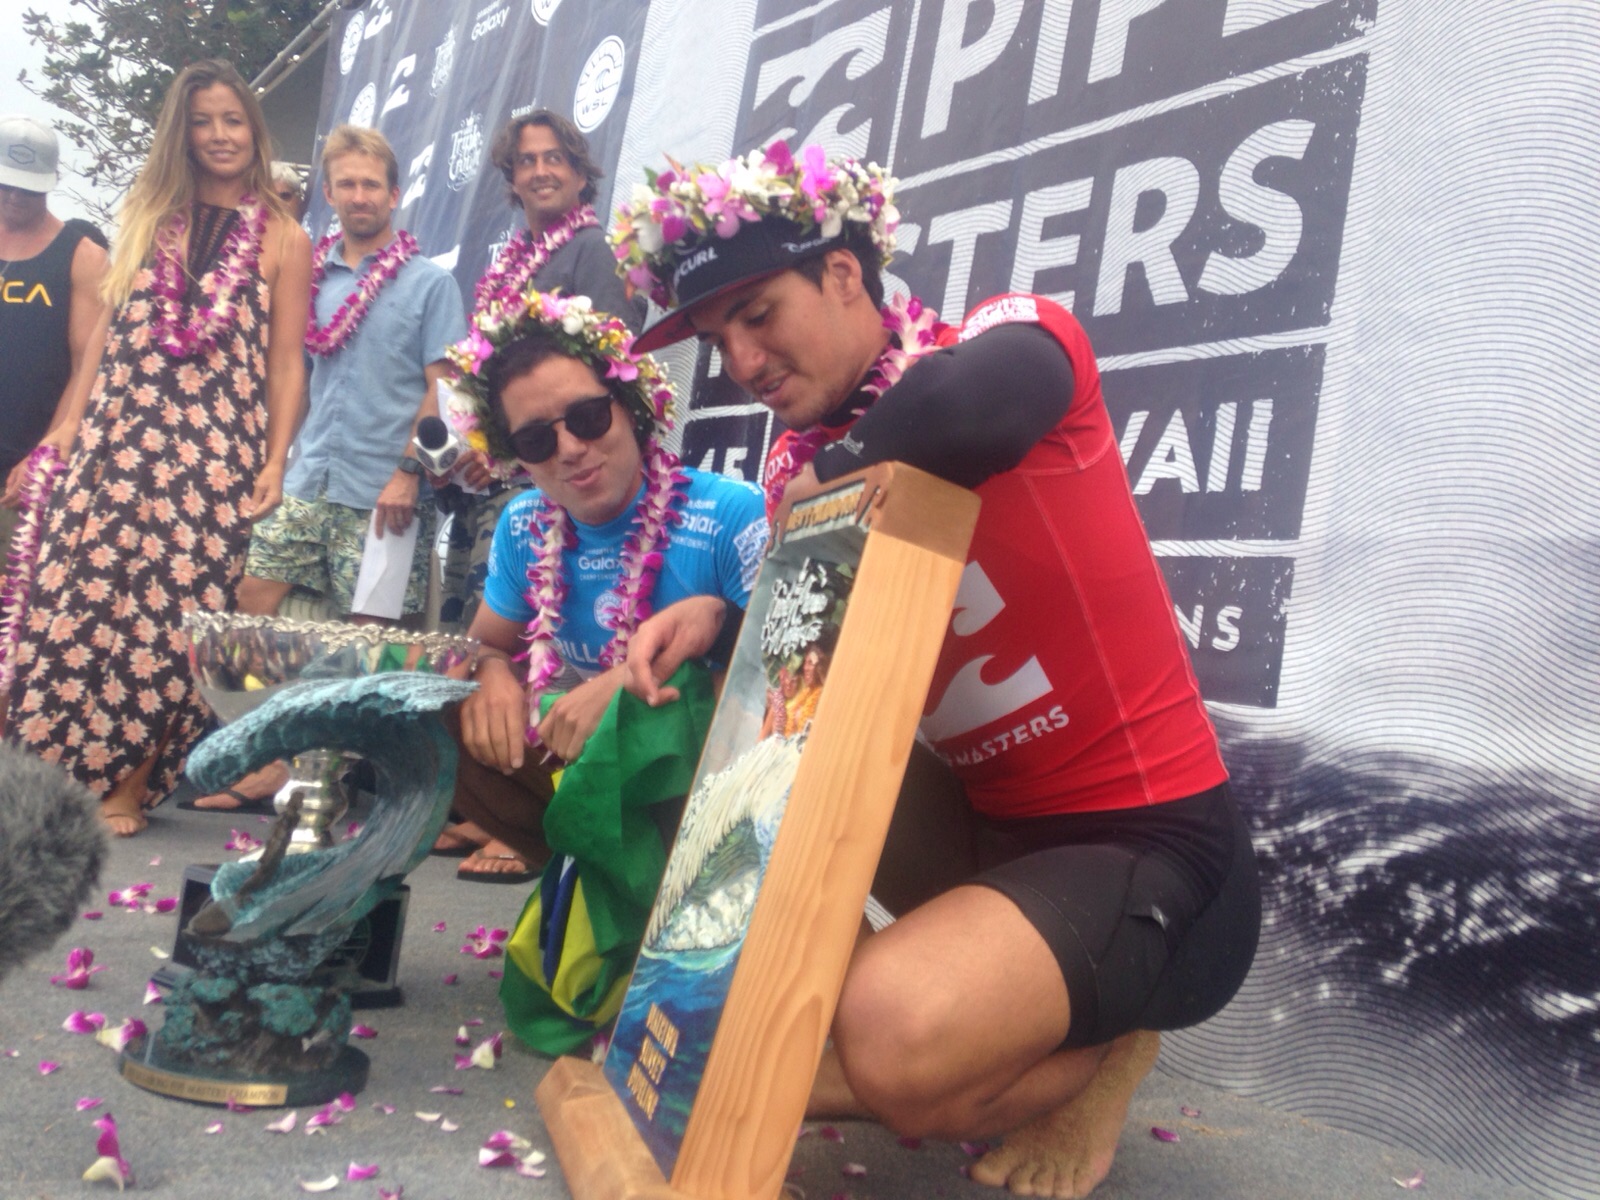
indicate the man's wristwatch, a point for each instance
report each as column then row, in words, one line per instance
column 410, row 466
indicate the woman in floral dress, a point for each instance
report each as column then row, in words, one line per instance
column 178, row 447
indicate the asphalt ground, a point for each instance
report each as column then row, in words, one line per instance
column 1233, row 1148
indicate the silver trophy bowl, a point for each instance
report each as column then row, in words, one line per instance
column 239, row 662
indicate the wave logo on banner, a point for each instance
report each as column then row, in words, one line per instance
column 466, row 151
column 599, row 83
column 352, row 43
column 543, row 10
column 444, row 60
column 366, row 103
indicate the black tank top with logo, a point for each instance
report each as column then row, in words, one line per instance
column 35, row 304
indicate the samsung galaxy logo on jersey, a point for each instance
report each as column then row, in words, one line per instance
column 1004, row 311
column 489, row 19
column 698, row 523
column 609, row 563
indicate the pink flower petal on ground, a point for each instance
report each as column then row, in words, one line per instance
column 464, row 1063
column 1189, row 1112
column 530, row 1170
column 599, row 1047
column 486, row 1053
column 345, row 1102
column 49, row 1068
column 159, row 952
column 95, row 915
column 439, row 928
column 82, row 1022
column 491, row 1158
column 239, row 840
column 450, row 980
column 326, row 1115
column 447, row 1091
column 430, row 1118
column 504, row 1139
column 911, row 1143
column 119, row 1037
column 13, row 1053
column 829, row 1134
column 386, row 1194
column 152, row 994
column 496, row 974
column 356, row 1172
column 387, row 1110
column 88, row 1102
column 1414, row 1184
column 321, row 1185
column 352, row 830
column 285, row 1123
column 235, row 1107
column 472, row 1023
column 156, row 861
column 1163, row 1135
column 166, row 904
column 110, row 1165
column 448, row 1126
column 853, row 1170
column 463, row 1038
column 213, row 1128
column 80, row 966
column 974, row 1149
column 363, row 1031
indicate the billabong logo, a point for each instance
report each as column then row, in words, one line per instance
column 352, row 42
column 466, row 151
column 599, row 84
column 366, row 103
column 702, row 256
column 444, row 58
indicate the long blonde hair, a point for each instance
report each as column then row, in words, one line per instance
column 166, row 183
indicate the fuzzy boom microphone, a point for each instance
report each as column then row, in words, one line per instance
column 52, row 846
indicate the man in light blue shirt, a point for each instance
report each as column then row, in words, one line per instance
column 382, row 315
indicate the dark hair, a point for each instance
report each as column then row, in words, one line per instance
column 859, row 243
column 516, row 359
column 571, row 140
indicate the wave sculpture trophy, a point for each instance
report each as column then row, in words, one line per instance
column 264, row 1019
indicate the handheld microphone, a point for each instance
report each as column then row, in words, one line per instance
column 437, row 445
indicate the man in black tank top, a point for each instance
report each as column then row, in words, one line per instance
column 50, row 306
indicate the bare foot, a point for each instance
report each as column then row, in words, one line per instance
column 493, row 858
column 123, row 814
column 463, row 835
column 1066, row 1153
column 258, row 785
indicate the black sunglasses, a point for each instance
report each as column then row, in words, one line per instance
column 586, row 419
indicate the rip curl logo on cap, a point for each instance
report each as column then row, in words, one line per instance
column 352, row 43
column 802, row 247
column 702, row 256
column 22, row 155
column 466, row 151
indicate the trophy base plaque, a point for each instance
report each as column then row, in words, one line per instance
column 143, row 1065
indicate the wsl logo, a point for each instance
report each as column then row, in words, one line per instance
column 366, row 102
column 444, row 58
column 599, row 84
column 466, row 151
column 543, row 10
column 352, row 43
column 609, row 610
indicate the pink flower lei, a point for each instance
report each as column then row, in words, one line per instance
column 184, row 336
column 525, row 256
column 39, row 476
column 914, row 331
column 341, row 327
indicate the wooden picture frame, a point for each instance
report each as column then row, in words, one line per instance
column 726, row 1018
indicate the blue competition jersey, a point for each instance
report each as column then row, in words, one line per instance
column 715, row 551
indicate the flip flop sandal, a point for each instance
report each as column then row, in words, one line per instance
column 247, row 804
column 464, row 850
column 526, row 875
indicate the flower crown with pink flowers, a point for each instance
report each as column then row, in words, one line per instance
column 683, row 208
column 598, row 339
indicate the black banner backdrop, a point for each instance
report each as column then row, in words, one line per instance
column 1337, row 258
